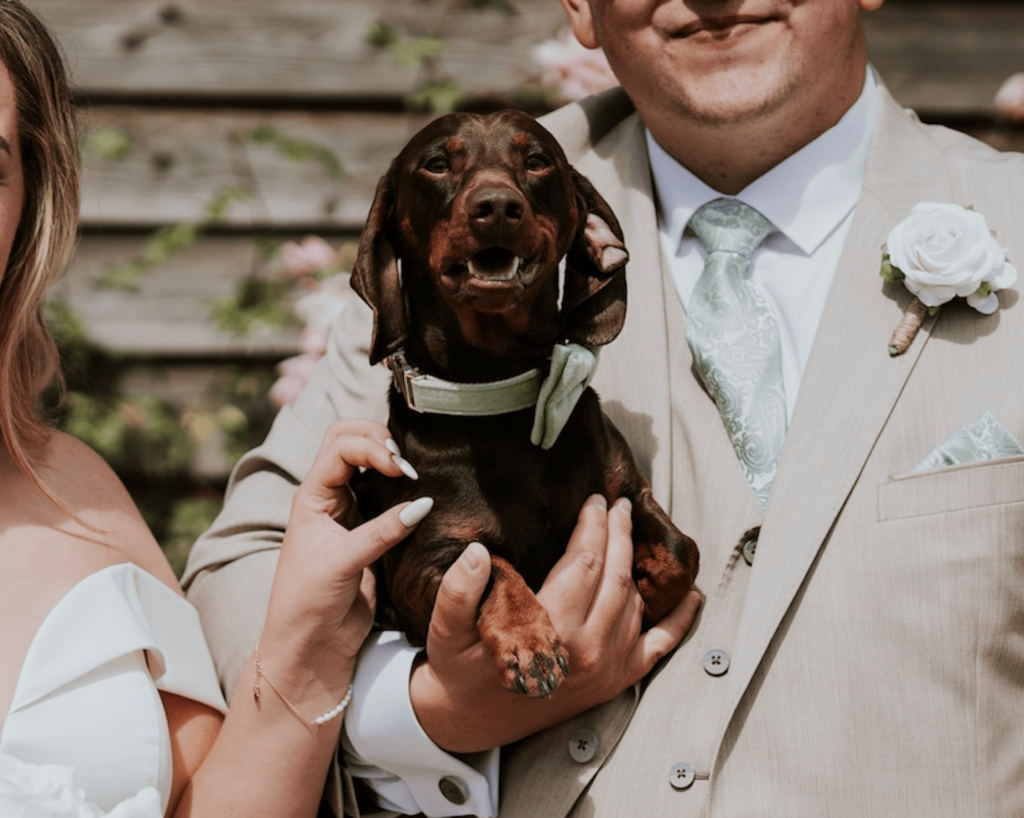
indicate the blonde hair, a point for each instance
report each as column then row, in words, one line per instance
column 47, row 233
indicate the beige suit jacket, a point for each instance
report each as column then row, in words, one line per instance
column 875, row 644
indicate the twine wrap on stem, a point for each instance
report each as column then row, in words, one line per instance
column 907, row 328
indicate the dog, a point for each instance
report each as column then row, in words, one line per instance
column 460, row 263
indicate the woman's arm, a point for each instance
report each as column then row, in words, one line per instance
column 270, row 757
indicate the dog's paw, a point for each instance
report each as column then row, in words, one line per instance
column 516, row 629
column 536, row 670
column 662, row 578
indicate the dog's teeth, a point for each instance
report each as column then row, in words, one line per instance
column 495, row 275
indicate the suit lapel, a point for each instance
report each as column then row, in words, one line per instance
column 619, row 168
column 850, row 385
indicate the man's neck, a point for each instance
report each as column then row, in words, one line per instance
column 730, row 156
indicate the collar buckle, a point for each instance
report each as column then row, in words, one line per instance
column 404, row 376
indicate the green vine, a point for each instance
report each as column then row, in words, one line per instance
column 434, row 92
column 164, row 243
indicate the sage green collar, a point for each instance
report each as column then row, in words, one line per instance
column 554, row 394
column 426, row 393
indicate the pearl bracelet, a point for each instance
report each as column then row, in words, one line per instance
column 331, row 714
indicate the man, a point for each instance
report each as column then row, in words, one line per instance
column 867, row 657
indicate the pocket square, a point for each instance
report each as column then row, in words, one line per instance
column 985, row 439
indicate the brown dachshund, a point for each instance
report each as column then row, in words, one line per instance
column 460, row 263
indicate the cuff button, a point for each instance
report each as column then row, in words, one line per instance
column 454, row 790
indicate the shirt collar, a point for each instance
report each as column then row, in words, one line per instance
column 806, row 196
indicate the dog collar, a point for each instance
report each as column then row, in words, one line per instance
column 426, row 393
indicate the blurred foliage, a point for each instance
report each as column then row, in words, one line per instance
column 259, row 304
column 109, row 143
column 160, row 448
column 167, row 241
column 499, row 5
column 139, row 434
column 434, row 92
column 188, row 518
column 296, row 150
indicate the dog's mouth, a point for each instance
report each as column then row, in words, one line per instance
column 494, row 265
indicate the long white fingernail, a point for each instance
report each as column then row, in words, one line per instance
column 415, row 511
column 405, row 466
column 392, row 447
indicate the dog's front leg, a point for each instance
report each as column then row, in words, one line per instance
column 516, row 628
column 665, row 560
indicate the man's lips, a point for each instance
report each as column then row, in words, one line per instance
column 722, row 26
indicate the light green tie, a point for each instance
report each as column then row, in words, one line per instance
column 735, row 339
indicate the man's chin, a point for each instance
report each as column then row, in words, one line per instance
column 728, row 104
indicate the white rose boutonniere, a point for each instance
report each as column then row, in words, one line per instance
column 941, row 252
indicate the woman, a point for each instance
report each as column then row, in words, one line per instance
column 103, row 669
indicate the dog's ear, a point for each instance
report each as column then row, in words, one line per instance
column 594, row 289
column 376, row 276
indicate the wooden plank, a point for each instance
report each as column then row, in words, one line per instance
column 179, row 160
column 301, row 49
column 171, row 313
column 946, row 58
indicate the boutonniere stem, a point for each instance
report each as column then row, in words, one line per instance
column 941, row 252
column 903, row 335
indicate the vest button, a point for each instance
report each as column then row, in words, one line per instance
column 681, row 776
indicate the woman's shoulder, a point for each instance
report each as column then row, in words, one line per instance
column 97, row 507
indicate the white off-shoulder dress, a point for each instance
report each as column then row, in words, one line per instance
column 88, row 696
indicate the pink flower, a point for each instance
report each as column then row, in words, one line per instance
column 319, row 308
column 294, row 375
column 571, row 69
column 310, row 256
column 1009, row 101
column 313, row 340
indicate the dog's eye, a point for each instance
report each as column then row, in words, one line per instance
column 436, row 165
column 537, row 161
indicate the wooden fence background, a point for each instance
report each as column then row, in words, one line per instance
column 187, row 102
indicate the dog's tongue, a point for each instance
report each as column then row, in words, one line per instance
column 494, row 264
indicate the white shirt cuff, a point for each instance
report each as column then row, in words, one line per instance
column 384, row 744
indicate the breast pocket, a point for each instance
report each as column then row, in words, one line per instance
column 955, row 488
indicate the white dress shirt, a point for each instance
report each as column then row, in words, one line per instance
column 809, row 198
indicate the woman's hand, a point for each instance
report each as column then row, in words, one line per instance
column 597, row 611
column 272, row 753
column 323, row 598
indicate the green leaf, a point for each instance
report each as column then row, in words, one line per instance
column 297, row 150
column 109, row 143
column 258, row 304
column 411, row 53
column 437, row 96
column 504, row 6
column 381, row 35
column 189, row 518
column 166, row 242
column 890, row 273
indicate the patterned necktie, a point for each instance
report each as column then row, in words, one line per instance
column 735, row 339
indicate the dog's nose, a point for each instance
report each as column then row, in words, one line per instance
column 496, row 208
